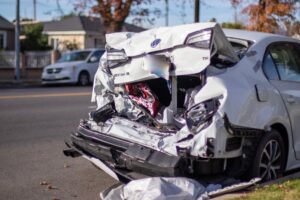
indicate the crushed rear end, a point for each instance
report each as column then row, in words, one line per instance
column 160, row 108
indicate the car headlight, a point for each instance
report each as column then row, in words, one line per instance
column 57, row 70
column 200, row 115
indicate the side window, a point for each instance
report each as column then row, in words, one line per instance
column 270, row 68
column 285, row 57
column 98, row 55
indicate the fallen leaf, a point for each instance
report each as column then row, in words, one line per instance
column 44, row 183
column 50, row 187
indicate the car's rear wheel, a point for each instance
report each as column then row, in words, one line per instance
column 270, row 157
column 83, row 78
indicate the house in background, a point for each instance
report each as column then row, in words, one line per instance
column 7, row 34
column 79, row 32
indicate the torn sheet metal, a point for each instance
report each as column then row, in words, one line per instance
column 234, row 188
column 102, row 166
column 143, row 96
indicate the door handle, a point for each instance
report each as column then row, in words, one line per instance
column 290, row 99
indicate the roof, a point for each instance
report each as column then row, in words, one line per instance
column 83, row 23
column 250, row 35
column 5, row 24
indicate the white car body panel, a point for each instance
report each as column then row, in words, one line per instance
column 246, row 96
column 171, row 46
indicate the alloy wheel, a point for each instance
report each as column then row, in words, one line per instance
column 270, row 161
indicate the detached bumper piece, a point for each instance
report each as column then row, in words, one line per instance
column 125, row 155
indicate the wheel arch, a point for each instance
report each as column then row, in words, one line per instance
column 284, row 134
column 84, row 71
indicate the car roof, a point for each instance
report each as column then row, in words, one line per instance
column 251, row 35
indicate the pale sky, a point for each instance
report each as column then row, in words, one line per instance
column 47, row 10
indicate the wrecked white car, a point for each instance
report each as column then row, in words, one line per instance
column 193, row 100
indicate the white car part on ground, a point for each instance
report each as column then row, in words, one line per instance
column 162, row 188
column 158, row 188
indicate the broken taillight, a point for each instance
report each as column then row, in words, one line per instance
column 143, row 96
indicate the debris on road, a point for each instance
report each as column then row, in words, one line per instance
column 44, row 183
column 66, row 166
column 50, row 187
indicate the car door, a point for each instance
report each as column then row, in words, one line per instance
column 93, row 62
column 286, row 58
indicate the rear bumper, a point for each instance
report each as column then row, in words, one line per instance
column 57, row 80
column 121, row 155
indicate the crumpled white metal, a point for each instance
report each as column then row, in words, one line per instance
column 238, row 98
column 158, row 188
column 163, row 188
column 172, row 48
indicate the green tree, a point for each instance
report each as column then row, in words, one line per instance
column 34, row 39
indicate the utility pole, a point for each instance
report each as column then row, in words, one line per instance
column 34, row 10
column 17, row 42
column 167, row 12
column 197, row 11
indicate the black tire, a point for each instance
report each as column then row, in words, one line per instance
column 83, row 78
column 269, row 160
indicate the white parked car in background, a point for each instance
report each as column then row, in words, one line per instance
column 193, row 100
column 73, row 67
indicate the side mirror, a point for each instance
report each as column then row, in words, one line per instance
column 93, row 59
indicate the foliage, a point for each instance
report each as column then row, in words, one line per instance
column 293, row 28
column 70, row 45
column 285, row 191
column 233, row 25
column 34, row 38
column 235, row 3
column 114, row 12
column 268, row 15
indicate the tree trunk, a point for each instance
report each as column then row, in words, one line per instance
column 112, row 26
column 113, row 14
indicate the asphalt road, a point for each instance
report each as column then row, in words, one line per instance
column 33, row 125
